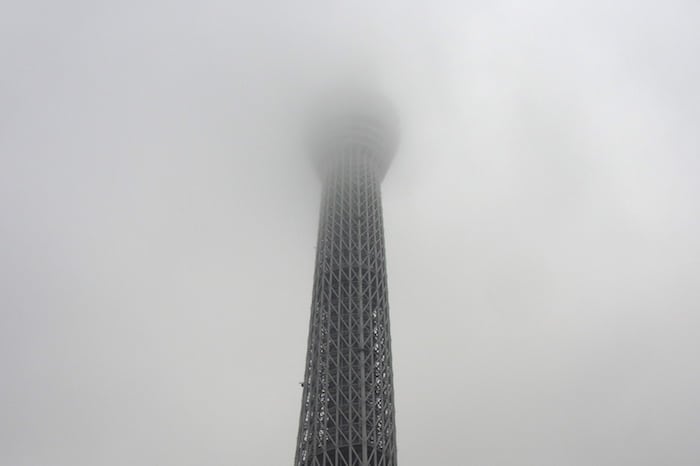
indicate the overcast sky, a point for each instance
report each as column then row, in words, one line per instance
column 158, row 219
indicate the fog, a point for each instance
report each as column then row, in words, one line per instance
column 159, row 221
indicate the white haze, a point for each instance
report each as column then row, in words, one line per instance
column 158, row 221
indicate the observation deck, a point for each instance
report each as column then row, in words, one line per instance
column 356, row 122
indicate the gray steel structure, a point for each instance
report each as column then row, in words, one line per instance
column 347, row 412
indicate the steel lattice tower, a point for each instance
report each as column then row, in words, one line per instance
column 347, row 412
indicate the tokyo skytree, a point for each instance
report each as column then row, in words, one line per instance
column 347, row 409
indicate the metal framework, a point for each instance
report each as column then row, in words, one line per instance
column 347, row 412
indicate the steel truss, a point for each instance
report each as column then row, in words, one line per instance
column 347, row 413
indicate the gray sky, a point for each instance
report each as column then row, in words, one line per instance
column 159, row 219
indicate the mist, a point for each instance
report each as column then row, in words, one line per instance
column 159, row 216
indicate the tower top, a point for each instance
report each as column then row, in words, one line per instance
column 355, row 120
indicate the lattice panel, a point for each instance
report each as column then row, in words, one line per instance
column 347, row 415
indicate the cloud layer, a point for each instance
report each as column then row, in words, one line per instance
column 159, row 226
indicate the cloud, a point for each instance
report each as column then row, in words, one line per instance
column 160, row 217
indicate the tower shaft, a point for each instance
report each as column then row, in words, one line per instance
column 347, row 413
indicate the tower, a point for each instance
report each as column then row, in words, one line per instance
column 347, row 412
